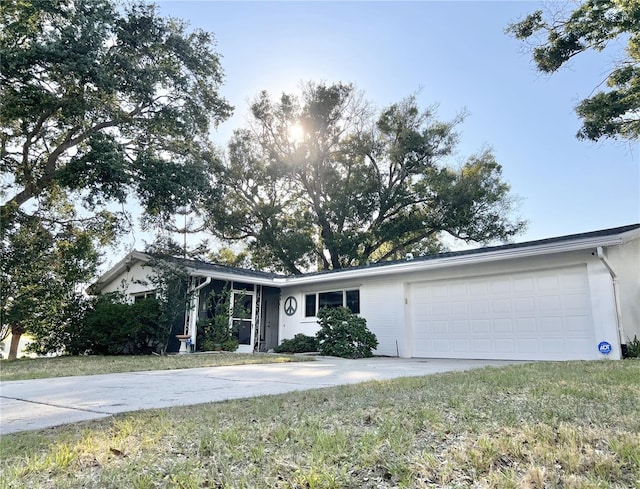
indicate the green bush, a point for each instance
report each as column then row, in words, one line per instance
column 300, row 343
column 344, row 334
column 633, row 348
column 106, row 325
column 115, row 327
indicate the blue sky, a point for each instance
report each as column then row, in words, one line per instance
column 457, row 55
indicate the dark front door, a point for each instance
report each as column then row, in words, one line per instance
column 269, row 330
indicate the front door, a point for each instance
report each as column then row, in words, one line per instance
column 243, row 307
column 269, row 326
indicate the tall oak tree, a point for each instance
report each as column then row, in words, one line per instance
column 321, row 180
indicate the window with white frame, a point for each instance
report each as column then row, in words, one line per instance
column 333, row 298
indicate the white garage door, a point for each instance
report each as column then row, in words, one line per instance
column 540, row 315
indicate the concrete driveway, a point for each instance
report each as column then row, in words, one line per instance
column 43, row 403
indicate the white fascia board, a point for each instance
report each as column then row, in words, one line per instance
column 460, row 260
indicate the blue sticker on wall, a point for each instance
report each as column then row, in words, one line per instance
column 604, row 347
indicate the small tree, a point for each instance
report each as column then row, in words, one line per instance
column 169, row 281
column 344, row 334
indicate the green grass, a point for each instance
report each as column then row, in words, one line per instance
column 569, row 425
column 39, row 368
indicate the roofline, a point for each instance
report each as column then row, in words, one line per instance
column 562, row 244
column 459, row 260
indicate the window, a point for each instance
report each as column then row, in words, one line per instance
column 353, row 300
column 144, row 295
column 330, row 299
column 310, row 305
column 334, row 298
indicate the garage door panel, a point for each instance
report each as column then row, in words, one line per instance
column 549, row 326
column 478, row 289
column 524, row 305
column 462, row 327
column 547, row 283
column 575, row 325
column 505, row 347
column 572, row 281
column 440, row 328
column 503, row 327
column 501, row 306
column 500, row 286
column 577, row 302
column 549, row 303
column 523, row 285
column 479, row 307
column 538, row 315
column 480, row 327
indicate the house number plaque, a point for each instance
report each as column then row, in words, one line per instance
column 290, row 305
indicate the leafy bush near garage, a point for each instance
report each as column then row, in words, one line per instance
column 344, row 334
column 300, row 343
column 633, row 348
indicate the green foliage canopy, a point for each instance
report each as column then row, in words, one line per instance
column 105, row 102
column 593, row 24
column 99, row 104
column 321, row 179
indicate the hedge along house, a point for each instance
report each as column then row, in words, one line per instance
column 564, row 298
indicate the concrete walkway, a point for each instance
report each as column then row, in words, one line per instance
column 43, row 403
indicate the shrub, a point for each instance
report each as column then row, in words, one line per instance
column 115, row 327
column 300, row 343
column 106, row 325
column 344, row 334
column 633, row 348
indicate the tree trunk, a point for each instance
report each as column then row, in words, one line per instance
column 15, row 341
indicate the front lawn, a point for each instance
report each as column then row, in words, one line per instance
column 542, row 425
column 39, row 368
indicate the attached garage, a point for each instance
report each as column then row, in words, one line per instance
column 536, row 315
column 566, row 298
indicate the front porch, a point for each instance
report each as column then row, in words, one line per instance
column 253, row 312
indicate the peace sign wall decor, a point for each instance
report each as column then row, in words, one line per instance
column 290, row 305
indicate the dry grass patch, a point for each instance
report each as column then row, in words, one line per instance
column 40, row 368
column 546, row 425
